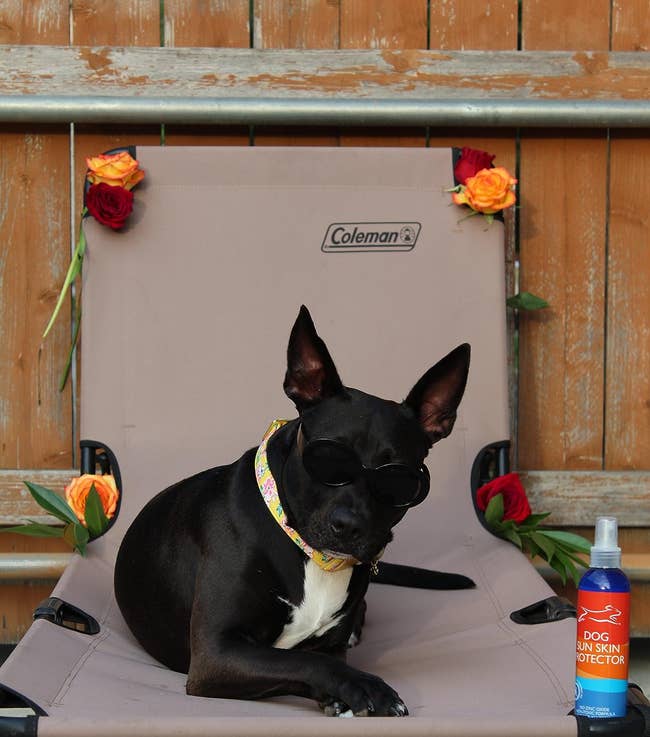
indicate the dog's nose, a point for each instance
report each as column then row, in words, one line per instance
column 345, row 522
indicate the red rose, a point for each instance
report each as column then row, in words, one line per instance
column 515, row 502
column 470, row 162
column 109, row 205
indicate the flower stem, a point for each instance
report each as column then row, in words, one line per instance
column 75, row 336
column 73, row 271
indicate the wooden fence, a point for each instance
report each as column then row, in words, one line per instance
column 581, row 236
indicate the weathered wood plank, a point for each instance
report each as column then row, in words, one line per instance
column 36, row 22
column 129, row 22
column 563, row 190
column 296, row 24
column 576, row 498
column 556, row 24
column 17, row 504
column 209, row 23
column 35, row 419
column 562, row 260
column 192, row 23
column 384, row 73
column 458, row 24
column 630, row 25
column 627, row 441
column 386, row 25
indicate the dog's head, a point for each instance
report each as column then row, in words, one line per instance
column 357, row 463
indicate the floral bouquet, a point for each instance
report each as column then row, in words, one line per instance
column 108, row 197
column 508, row 514
column 486, row 190
column 483, row 188
column 90, row 503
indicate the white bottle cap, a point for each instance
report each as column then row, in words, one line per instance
column 605, row 552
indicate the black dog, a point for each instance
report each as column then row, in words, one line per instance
column 211, row 583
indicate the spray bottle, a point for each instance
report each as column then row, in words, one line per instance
column 603, row 613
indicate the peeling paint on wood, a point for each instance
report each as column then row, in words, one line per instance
column 457, row 24
column 35, row 420
column 17, row 504
column 374, row 73
column 297, row 24
column 576, row 498
column 627, row 441
column 563, row 188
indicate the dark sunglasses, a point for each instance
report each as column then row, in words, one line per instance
column 333, row 463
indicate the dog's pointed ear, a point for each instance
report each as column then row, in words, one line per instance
column 436, row 396
column 311, row 373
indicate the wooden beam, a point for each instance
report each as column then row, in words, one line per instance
column 205, row 73
column 575, row 498
column 16, row 503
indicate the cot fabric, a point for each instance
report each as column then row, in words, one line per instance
column 186, row 318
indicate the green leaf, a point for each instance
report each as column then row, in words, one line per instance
column 568, row 564
column 51, row 502
column 548, row 546
column 76, row 535
column 494, row 511
column 576, row 542
column 35, row 529
column 571, row 553
column 73, row 344
column 526, row 301
column 557, row 564
column 513, row 537
column 94, row 514
column 530, row 547
column 533, row 520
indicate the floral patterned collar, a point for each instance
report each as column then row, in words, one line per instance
column 269, row 491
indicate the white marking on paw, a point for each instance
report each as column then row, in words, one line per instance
column 346, row 714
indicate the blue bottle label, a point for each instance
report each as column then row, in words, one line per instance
column 602, row 653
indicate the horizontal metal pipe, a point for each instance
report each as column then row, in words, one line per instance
column 32, row 566
column 326, row 111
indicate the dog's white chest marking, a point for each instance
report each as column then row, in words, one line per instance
column 324, row 595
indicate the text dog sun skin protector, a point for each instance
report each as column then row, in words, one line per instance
column 603, row 613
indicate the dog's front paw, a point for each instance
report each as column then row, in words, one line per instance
column 364, row 695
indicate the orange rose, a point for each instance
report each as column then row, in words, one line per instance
column 488, row 191
column 76, row 494
column 118, row 170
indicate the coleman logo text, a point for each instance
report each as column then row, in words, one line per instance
column 371, row 237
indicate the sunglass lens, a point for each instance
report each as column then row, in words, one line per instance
column 398, row 485
column 330, row 462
